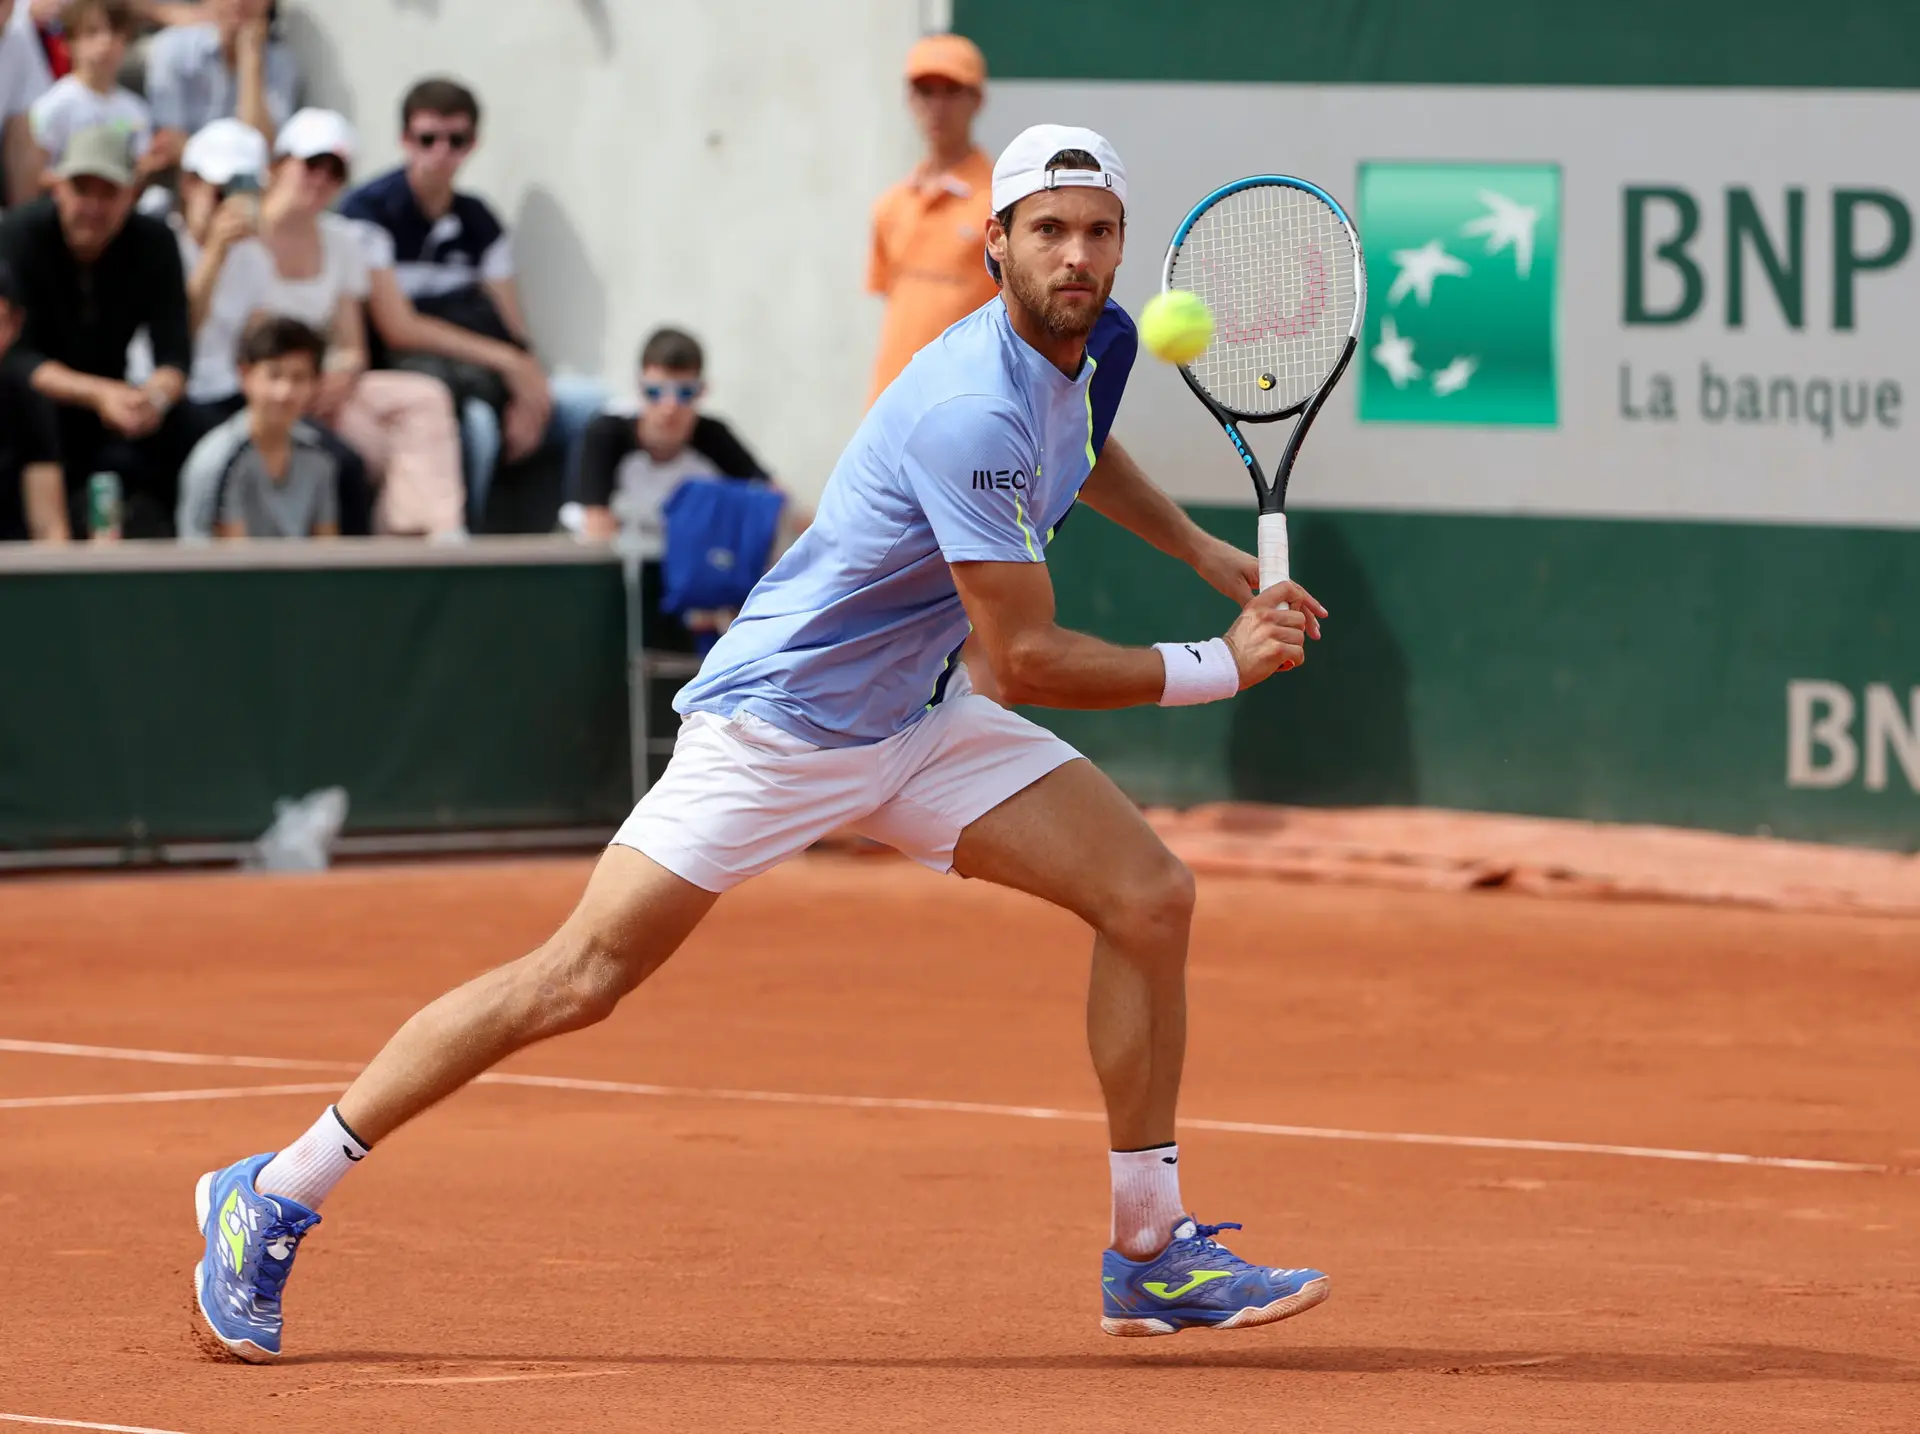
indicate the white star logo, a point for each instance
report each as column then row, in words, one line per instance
column 1394, row 353
column 1506, row 225
column 1454, row 376
column 1419, row 268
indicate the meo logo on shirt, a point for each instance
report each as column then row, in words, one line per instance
column 985, row 480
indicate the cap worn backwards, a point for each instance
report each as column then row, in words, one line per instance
column 1022, row 169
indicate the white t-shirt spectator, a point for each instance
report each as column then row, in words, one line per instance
column 190, row 85
column 70, row 107
column 249, row 284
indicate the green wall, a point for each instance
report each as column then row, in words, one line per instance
column 1873, row 44
column 149, row 706
column 1621, row 671
column 1629, row 671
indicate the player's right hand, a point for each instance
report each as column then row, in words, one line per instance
column 1271, row 633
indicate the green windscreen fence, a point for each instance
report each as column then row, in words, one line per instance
column 1745, row 677
column 1857, row 44
column 140, row 706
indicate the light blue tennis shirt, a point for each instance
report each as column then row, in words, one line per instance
column 971, row 455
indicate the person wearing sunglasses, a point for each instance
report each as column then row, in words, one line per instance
column 457, row 313
column 304, row 262
column 630, row 463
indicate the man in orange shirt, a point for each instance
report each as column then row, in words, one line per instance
column 929, row 230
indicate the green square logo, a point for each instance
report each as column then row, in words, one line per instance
column 1462, row 264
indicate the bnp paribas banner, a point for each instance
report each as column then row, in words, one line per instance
column 1643, row 302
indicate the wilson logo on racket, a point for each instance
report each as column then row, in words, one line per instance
column 1278, row 264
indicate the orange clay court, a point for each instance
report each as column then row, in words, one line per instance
column 874, row 1196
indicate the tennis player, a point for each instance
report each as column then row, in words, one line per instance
column 834, row 701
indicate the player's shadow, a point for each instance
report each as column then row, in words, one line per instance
column 1723, row 1364
column 1337, row 732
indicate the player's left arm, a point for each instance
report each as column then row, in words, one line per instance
column 1042, row 664
column 1037, row 662
column 1119, row 489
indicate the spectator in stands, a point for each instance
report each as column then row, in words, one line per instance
column 229, row 67
column 162, row 14
column 264, row 473
column 23, row 79
column 92, row 97
column 41, row 20
column 32, row 498
column 91, row 274
column 301, row 261
column 445, row 300
column 223, row 170
column 930, row 230
column 631, row 463
column 222, row 173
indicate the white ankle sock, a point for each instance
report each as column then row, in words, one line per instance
column 307, row 1170
column 1146, row 1199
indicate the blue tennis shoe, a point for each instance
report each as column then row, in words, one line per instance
column 1197, row 1283
column 251, row 1241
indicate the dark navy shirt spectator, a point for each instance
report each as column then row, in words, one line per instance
column 431, row 258
column 449, row 303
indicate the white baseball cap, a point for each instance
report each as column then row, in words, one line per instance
column 1022, row 167
column 311, row 133
column 223, row 150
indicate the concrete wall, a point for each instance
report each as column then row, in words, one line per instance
column 702, row 162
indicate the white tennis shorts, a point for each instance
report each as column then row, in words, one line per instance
column 741, row 796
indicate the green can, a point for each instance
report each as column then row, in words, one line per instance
column 103, row 505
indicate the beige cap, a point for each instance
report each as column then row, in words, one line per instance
column 103, row 152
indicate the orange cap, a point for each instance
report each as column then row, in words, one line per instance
column 951, row 57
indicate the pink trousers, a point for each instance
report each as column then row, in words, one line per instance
column 402, row 424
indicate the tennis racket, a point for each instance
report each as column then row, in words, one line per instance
column 1279, row 264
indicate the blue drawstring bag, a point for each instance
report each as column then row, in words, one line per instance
column 720, row 535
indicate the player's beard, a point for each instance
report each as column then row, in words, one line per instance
column 1061, row 317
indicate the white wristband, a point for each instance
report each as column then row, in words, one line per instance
column 1198, row 672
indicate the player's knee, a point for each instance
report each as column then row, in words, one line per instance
column 1157, row 900
column 580, row 982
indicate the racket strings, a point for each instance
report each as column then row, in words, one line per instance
column 1279, row 270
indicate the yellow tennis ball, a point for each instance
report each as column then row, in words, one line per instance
column 1176, row 326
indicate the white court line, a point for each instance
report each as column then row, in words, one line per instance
column 953, row 1107
column 504, row 1378
column 158, row 1097
column 82, row 1424
column 170, row 1058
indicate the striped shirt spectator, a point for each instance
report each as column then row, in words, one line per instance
column 445, row 299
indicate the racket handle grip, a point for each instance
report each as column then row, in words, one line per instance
column 1274, row 567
